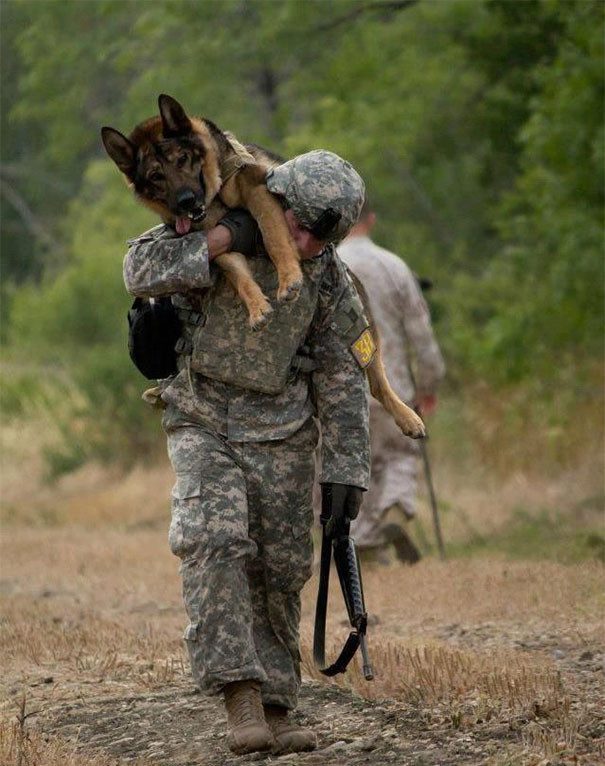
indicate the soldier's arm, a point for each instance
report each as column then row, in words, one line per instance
column 161, row 263
column 429, row 364
column 339, row 383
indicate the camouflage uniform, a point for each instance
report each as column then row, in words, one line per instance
column 241, row 505
column 403, row 320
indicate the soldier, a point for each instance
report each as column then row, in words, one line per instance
column 242, row 441
column 403, row 319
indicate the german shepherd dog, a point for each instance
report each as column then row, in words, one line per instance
column 190, row 172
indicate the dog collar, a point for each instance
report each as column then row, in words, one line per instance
column 238, row 159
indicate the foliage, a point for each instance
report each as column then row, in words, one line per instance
column 76, row 322
column 84, row 304
column 478, row 124
column 549, row 278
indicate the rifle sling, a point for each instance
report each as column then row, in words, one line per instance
column 319, row 634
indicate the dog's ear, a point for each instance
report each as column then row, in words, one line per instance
column 174, row 119
column 217, row 134
column 120, row 149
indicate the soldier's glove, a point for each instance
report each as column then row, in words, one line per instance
column 246, row 237
column 339, row 503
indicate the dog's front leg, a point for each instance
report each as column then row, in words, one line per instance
column 270, row 218
column 240, row 277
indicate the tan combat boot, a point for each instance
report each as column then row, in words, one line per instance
column 377, row 556
column 289, row 737
column 248, row 730
column 394, row 530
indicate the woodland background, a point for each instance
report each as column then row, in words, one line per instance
column 478, row 125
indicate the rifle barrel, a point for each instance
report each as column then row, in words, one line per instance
column 368, row 673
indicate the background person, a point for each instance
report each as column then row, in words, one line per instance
column 403, row 320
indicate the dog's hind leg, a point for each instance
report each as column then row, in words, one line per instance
column 240, row 277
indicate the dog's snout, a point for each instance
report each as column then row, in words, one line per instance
column 186, row 200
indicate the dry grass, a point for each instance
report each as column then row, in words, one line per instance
column 523, row 428
column 91, row 599
column 105, row 605
column 412, row 601
column 560, row 742
column 435, row 673
column 131, row 578
column 481, row 508
column 495, row 451
column 91, row 496
column 475, row 502
column 112, row 572
column 23, row 746
column 89, row 646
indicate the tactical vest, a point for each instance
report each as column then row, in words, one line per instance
column 222, row 346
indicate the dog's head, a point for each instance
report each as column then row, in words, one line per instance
column 172, row 162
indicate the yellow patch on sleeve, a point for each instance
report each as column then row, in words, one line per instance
column 364, row 348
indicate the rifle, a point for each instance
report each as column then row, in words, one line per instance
column 336, row 539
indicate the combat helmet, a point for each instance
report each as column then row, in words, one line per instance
column 324, row 191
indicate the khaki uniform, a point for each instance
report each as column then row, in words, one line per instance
column 403, row 320
column 241, row 505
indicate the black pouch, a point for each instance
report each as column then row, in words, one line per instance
column 153, row 330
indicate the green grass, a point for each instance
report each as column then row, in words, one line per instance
column 575, row 535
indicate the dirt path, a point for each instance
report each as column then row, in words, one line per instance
column 179, row 727
column 99, row 712
column 478, row 662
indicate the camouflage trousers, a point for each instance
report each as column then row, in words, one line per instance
column 241, row 525
column 393, row 480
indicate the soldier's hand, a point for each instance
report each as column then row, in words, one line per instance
column 339, row 503
column 426, row 405
column 245, row 234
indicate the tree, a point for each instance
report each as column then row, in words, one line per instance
column 551, row 272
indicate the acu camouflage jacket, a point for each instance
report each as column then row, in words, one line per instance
column 159, row 263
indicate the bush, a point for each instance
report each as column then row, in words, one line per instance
column 67, row 338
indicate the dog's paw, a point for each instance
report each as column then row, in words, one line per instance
column 260, row 316
column 412, row 425
column 290, row 282
column 289, row 291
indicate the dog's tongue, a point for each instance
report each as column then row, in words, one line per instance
column 183, row 225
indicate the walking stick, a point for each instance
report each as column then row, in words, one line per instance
column 433, row 499
column 427, row 466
